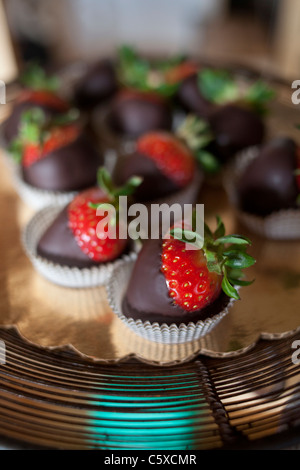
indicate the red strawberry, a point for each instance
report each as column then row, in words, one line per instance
column 131, row 93
column 44, row 98
column 83, row 222
column 83, row 219
column 40, row 88
column 171, row 155
column 196, row 277
column 57, row 137
column 181, row 71
column 39, row 135
column 191, row 285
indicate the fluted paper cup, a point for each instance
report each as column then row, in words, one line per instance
column 157, row 332
column 280, row 225
column 59, row 274
column 37, row 198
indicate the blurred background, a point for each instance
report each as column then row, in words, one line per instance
column 258, row 33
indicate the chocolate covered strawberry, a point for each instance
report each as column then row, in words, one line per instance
column 55, row 153
column 97, row 85
column 38, row 90
column 165, row 160
column 82, row 237
column 161, row 76
column 195, row 277
column 234, row 115
column 182, row 284
column 270, row 182
column 146, row 86
column 133, row 112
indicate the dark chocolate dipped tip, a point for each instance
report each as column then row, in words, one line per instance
column 147, row 296
column 235, row 128
column 268, row 183
column 154, row 185
column 97, row 85
column 190, row 98
column 70, row 168
column 134, row 116
column 58, row 245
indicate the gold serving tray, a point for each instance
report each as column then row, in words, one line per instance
column 52, row 316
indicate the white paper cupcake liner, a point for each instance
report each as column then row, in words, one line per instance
column 59, row 274
column 39, row 198
column 160, row 333
column 280, row 225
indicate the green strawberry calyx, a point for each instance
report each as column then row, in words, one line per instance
column 137, row 72
column 225, row 254
column 34, row 129
column 220, row 87
column 112, row 191
column 197, row 135
column 36, row 78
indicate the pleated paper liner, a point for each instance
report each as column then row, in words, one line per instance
column 162, row 333
column 35, row 198
column 59, row 274
column 39, row 198
column 280, row 225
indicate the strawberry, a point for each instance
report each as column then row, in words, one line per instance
column 44, row 98
column 39, row 136
column 56, row 138
column 83, row 218
column 196, row 277
column 132, row 94
column 41, row 88
column 180, row 72
column 160, row 76
column 171, row 156
column 175, row 154
column 83, row 223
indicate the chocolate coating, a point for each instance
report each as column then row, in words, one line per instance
column 235, row 128
column 97, row 85
column 134, row 115
column 190, row 98
column 70, row 168
column 10, row 127
column 269, row 183
column 59, row 245
column 155, row 184
column 147, row 296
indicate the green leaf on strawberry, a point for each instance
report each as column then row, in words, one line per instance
column 228, row 288
column 197, row 135
column 30, row 131
column 105, row 182
column 224, row 256
column 217, row 86
column 258, row 95
column 35, row 137
column 36, row 78
column 137, row 72
column 220, row 87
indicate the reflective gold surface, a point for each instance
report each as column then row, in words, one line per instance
column 53, row 316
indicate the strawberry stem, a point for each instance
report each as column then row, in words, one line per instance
column 197, row 135
column 105, row 182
